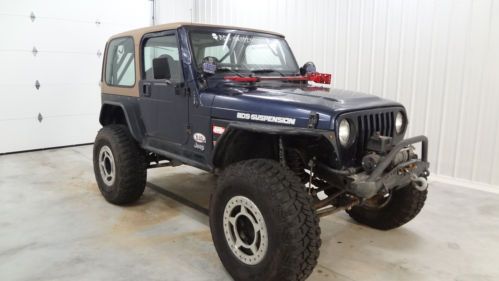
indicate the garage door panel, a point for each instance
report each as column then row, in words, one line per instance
column 66, row 65
column 63, row 36
column 17, row 37
column 57, row 100
column 124, row 12
column 26, row 134
column 70, row 37
column 78, row 11
column 52, row 100
column 68, row 69
column 70, row 98
column 17, row 101
column 51, row 68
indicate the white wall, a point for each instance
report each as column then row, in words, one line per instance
column 439, row 58
column 68, row 36
column 174, row 11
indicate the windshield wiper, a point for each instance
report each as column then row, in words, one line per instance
column 267, row 70
column 228, row 69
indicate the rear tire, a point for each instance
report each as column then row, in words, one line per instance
column 403, row 205
column 119, row 165
column 263, row 224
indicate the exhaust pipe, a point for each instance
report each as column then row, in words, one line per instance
column 419, row 183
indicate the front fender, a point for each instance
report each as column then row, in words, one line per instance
column 232, row 130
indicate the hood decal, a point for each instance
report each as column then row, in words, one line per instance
column 266, row 118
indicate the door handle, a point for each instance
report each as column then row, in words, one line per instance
column 185, row 91
column 146, row 90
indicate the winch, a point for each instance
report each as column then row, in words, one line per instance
column 378, row 146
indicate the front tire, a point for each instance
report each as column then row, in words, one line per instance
column 263, row 224
column 119, row 165
column 399, row 208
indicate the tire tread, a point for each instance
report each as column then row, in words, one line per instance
column 131, row 167
column 298, row 218
column 405, row 205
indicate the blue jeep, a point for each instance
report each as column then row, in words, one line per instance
column 233, row 101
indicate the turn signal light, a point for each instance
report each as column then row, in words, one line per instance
column 217, row 130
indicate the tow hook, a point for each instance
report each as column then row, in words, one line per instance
column 419, row 183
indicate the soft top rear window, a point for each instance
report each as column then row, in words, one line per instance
column 120, row 62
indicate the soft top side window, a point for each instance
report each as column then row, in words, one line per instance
column 162, row 47
column 120, row 62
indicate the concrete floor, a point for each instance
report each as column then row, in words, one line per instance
column 54, row 225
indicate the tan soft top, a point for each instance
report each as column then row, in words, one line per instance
column 138, row 33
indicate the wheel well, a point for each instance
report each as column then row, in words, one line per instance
column 112, row 114
column 239, row 145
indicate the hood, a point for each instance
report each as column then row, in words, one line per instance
column 291, row 102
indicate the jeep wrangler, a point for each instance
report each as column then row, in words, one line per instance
column 287, row 150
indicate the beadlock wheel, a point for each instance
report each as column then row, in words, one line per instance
column 245, row 230
column 107, row 166
column 263, row 223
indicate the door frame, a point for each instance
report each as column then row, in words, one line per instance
column 177, row 87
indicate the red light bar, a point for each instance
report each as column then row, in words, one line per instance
column 253, row 79
column 314, row 76
column 317, row 77
column 242, row 79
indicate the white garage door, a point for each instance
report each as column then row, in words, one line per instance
column 50, row 65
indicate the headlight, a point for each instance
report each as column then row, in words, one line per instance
column 399, row 122
column 344, row 132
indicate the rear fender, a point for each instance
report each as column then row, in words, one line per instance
column 128, row 114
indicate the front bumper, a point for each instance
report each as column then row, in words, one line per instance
column 380, row 180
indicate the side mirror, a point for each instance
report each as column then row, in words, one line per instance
column 161, row 68
column 308, row 67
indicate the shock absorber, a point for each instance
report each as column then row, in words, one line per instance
column 296, row 164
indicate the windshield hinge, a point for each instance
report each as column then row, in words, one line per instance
column 313, row 120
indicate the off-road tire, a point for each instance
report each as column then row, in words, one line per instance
column 130, row 165
column 292, row 224
column 404, row 205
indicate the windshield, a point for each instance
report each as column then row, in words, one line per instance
column 243, row 53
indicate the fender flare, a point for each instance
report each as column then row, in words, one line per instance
column 276, row 130
column 132, row 117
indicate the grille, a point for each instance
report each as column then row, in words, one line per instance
column 368, row 124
